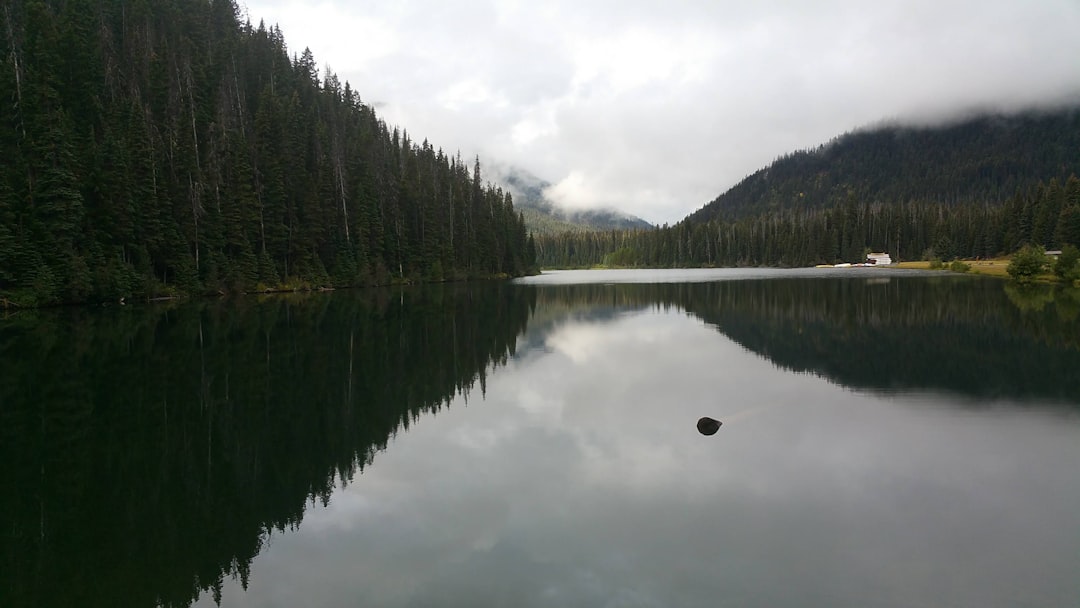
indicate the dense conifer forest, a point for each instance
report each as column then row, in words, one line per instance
column 984, row 159
column 163, row 148
column 980, row 188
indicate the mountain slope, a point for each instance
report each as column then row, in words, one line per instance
column 542, row 216
column 162, row 148
column 982, row 187
column 985, row 159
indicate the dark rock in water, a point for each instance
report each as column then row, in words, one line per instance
column 708, row 426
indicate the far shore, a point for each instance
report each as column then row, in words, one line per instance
column 997, row 267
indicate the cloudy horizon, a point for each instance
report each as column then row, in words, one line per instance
column 655, row 110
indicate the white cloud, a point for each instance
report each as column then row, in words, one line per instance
column 657, row 108
column 470, row 93
column 336, row 34
column 570, row 485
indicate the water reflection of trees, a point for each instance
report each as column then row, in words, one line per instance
column 151, row 451
column 964, row 335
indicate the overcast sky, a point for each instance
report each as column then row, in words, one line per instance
column 654, row 107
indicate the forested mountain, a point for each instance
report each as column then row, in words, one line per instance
column 985, row 159
column 545, row 217
column 980, row 188
column 154, row 148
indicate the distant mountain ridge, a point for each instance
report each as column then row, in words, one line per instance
column 984, row 186
column 982, row 159
column 542, row 216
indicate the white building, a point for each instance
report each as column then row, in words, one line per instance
column 878, row 259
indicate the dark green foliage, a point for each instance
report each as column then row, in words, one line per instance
column 160, row 148
column 835, row 329
column 622, row 257
column 958, row 266
column 984, row 159
column 790, row 238
column 905, row 230
column 1027, row 264
column 1067, row 265
column 976, row 189
column 1067, row 228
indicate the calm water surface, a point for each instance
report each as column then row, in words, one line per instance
column 889, row 439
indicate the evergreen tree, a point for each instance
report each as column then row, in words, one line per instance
column 164, row 148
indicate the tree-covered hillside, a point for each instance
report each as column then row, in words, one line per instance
column 985, row 159
column 154, row 148
column 982, row 188
column 1048, row 215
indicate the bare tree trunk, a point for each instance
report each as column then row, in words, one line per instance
column 194, row 214
column 339, row 170
column 15, row 65
column 239, row 102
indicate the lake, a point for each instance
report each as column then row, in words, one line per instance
column 889, row 438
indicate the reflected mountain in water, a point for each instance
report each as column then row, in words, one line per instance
column 960, row 336
column 150, row 451
column 977, row 338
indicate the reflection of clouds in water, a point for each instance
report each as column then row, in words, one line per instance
column 586, row 342
column 484, row 439
column 618, row 411
column 349, row 508
column 579, row 343
column 514, row 576
column 643, row 465
column 581, row 480
column 539, row 405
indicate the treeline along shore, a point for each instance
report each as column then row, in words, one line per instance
column 977, row 188
column 167, row 148
column 1048, row 216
